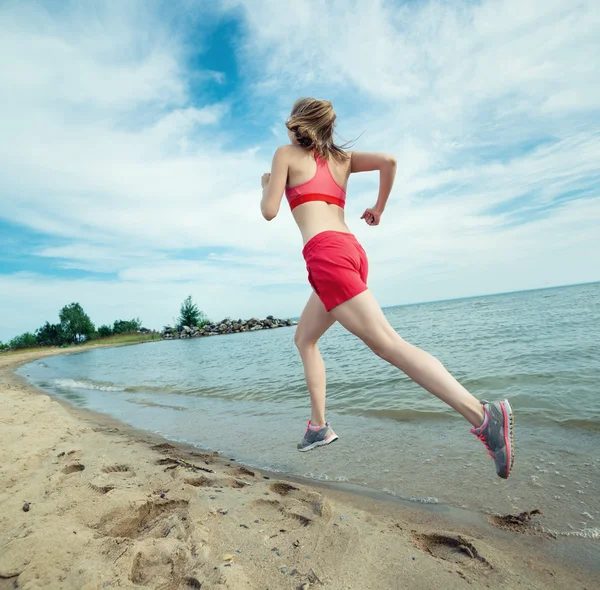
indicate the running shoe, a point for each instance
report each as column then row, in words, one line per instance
column 497, row 435
column 317, row 438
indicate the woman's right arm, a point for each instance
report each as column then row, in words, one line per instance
column 386, row 164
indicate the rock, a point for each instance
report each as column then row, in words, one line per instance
column 284, row 570
column 222, row 511
column 26, row 507
column 227, row 557
column 225, row 326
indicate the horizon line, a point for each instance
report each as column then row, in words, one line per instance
column 496, row 294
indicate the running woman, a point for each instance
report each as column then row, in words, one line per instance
column 313, row 172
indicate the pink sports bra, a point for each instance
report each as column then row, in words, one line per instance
column 321, row 187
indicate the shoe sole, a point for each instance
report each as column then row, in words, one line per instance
column 509, row 433
column 319, row 443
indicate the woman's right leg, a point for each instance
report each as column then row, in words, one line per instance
column 314, row 322
column 362, row 316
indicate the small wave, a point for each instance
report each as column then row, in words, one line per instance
column 591, row 424
column 401, row 415
column 590, row 533
column 424, row 500
column 84, row 384
column 152, row 389
column 150, row 404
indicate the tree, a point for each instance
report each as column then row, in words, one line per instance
column 50, row 335
column 76, row 324
column 190, row 315
column 127, row 326
column 104, row 331
column 3, row 346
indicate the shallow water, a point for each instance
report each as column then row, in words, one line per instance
column 244, row 395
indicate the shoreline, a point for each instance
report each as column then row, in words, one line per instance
column 355, row 538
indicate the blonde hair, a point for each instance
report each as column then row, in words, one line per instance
column 312, row 121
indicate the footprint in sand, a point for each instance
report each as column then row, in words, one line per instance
column 282, row 488
column 117, row 469
column 73, row 468
column 454, row 548
column 110, row 478
column 162, row 540
column 199, row 482
column 244, row 472
column 145, row 520
column 217, row 482
column 302, row 506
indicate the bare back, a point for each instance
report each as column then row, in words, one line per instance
column 316, row 216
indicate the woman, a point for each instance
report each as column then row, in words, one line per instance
column 313, row 172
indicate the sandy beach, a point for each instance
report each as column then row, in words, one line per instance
column 89, row 503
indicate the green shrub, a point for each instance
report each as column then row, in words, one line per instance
column 127, row 326
column 26, row 340
column 104, row 331
column 50, row 335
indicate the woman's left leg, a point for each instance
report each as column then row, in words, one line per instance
column 314, row 322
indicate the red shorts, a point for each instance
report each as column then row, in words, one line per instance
column 337, row 267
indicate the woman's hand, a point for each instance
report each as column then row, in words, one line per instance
column 264, row 181
column 372, row 216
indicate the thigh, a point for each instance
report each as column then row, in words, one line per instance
column 314, row 321
column 363, row 317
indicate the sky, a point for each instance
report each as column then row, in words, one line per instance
column 135, row 133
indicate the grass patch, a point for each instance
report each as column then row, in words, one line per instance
column 115, row 340
column 123, row 339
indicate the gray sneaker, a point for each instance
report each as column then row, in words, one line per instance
column 497, row 436
column 317, row 438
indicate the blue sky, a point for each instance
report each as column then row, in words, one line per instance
column 135, row 135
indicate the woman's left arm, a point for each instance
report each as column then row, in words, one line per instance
column 273, row 184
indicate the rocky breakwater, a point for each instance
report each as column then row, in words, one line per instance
column 227, row 326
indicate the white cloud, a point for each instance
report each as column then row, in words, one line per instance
column 109, row 152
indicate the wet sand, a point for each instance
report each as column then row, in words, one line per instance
column 89, row 503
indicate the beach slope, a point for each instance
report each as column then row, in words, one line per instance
column 88, row 503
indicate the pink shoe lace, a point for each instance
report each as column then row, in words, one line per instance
column 481, row 436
